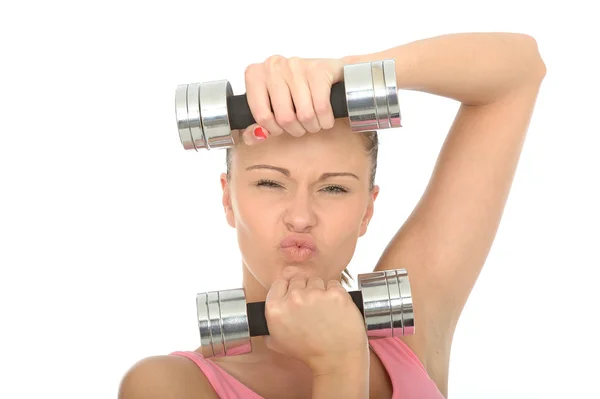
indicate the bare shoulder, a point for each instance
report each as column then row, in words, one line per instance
column 165, row 377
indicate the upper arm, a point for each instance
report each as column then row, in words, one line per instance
column 445, row 241
column 165, row 377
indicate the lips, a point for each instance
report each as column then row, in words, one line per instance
column 298, row 248
column 299, row 242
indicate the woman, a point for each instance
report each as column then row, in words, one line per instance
column 275, row 193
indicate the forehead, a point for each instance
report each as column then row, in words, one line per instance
column 332, row 149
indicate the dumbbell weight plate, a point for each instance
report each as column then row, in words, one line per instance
column 388, row 309
column 226, row 322
column 207, row 112
column 372, row 97
column 223, row 323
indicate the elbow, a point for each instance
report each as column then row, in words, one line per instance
column 535, row 66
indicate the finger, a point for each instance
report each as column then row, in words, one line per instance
column 297, row 282
column 278, row 289
column 283, row 107
column 334, row 285
column 254, row 134
column 302, row 99
column 321, row 98
column 315, row 283
column 336, row 291
column 259, row 103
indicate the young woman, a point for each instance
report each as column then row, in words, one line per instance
column 300, row 191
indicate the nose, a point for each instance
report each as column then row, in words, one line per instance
column 299, row 215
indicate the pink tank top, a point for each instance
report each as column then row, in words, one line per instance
column 408, row 376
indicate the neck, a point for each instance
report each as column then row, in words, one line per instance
column 254, row 290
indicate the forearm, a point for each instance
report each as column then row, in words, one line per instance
column 350, row 382
column 473, row 68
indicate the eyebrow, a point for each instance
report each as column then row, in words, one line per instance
column 287, row 173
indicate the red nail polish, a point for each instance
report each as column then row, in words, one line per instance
column 259, row 133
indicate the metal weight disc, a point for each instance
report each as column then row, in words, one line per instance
column 234, row 321
column 376, row 304
column 209, row 324
column 395, row 302
column 189, row 120
column 204, row 324
column 216, row 329
column 372, row 95
column 223, row 323
column 181, row 114
column 194, row 116
column 380, row 95
column 389, row 75
column 408, row 312
column 214, row 114
column 358, row 81
column 387, row 300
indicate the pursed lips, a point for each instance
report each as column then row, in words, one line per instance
column 298, row 248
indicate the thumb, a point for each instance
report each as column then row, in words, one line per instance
column 255, row 134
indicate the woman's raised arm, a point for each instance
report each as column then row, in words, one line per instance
column 446, row 240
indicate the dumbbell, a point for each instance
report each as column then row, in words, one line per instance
column 226, row 322
column 207, row 112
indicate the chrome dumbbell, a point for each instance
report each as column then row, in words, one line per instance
column 226, row 322
column 207, row 112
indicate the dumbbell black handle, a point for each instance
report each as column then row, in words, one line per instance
column 257, row 321
column 240, row 116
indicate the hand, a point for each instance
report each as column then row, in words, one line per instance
column 282, row 84
column 316, row 323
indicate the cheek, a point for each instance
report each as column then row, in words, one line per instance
column 347, row 215
column 342, row 224
column 254, row 219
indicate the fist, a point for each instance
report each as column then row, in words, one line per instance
column 315, row 322
column 290, row 95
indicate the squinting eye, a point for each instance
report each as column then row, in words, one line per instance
column 267, row 183
column 335, row 189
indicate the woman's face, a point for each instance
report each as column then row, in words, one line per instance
column 300, row 202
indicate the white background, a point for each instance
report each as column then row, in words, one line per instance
column 109, row 228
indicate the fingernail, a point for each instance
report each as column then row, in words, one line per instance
column 259, row 133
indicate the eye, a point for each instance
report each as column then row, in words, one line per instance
column 334, row 189
column 267, row 183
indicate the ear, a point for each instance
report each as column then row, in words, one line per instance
column 226, row 200
column 369, row 213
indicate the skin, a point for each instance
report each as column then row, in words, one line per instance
column 285, row 194
column 444, row 243
column 335, row 211
column 276, row 188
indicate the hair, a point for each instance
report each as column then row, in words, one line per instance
column 371, row 143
